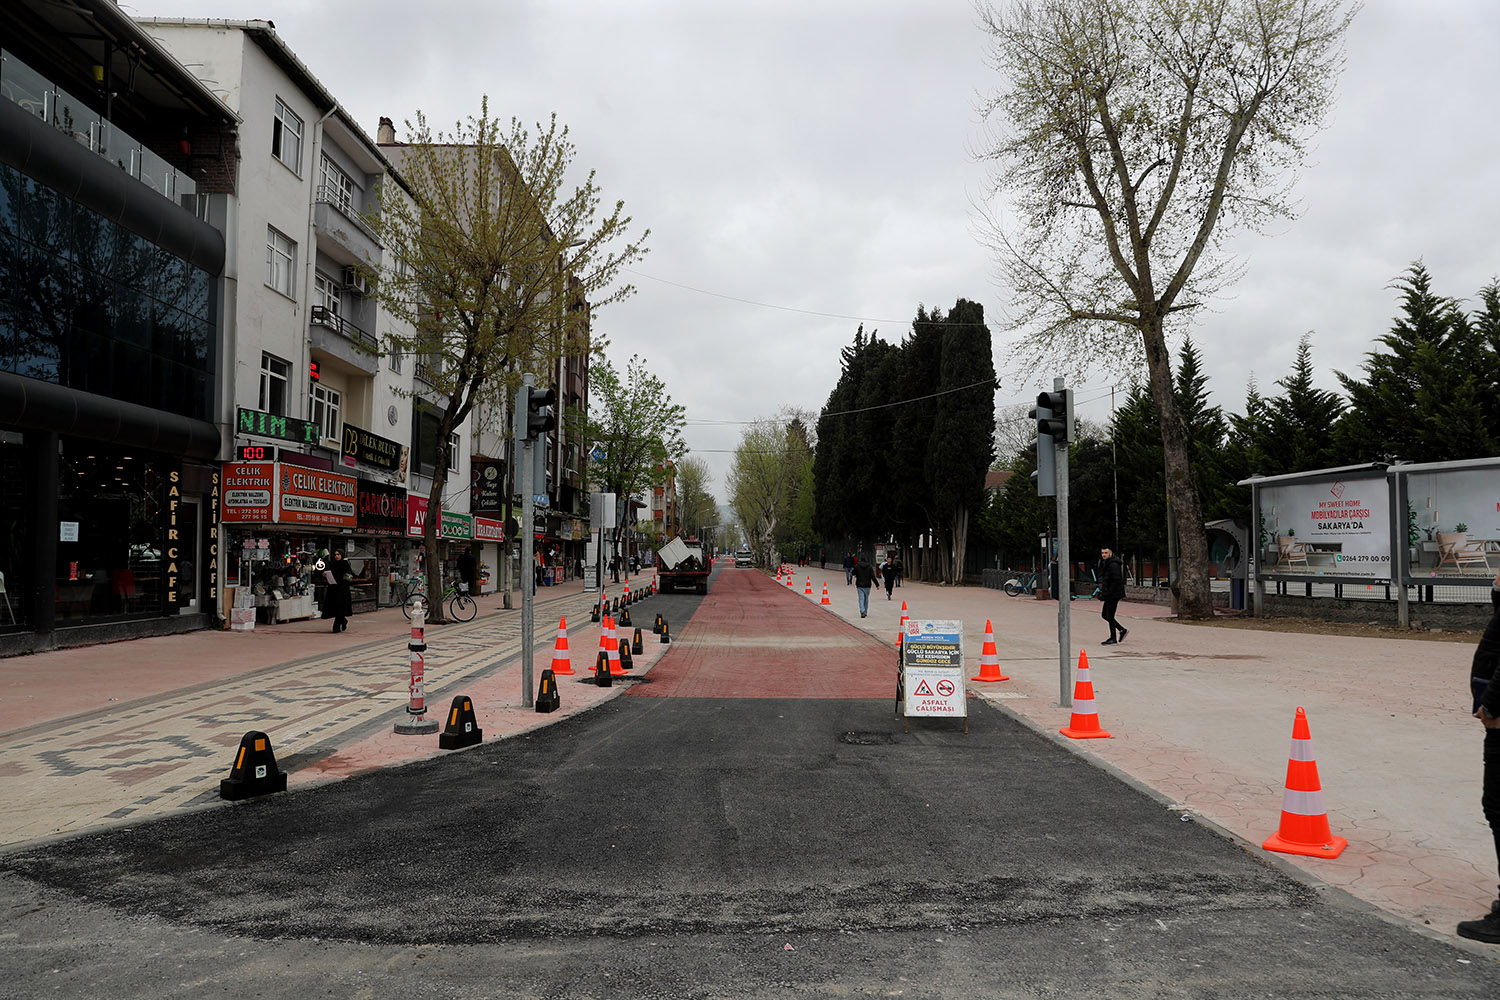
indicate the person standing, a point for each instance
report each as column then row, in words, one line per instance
column 1484, row 685
column 337, row 600
column 468, row 569
column 1111, row 591
column 888, row 575
column 864, row 579
column 900, row 569
column 848, row 568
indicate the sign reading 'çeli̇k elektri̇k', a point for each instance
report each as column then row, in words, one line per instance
column 932, row 669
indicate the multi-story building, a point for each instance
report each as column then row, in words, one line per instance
column 560, row 529
column 334, row 440
column 112, row 268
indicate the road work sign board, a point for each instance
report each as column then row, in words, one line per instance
column 932, row 669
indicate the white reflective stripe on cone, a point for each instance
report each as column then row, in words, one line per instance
column 1302, row 750
column 1303, row 803
column 1083, row 706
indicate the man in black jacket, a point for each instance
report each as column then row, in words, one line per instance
column 1484, row 683
column 864, row 579
column 1111, row 591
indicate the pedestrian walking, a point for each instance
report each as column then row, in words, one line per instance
column 849, row 561
column 1111, row 591
column 900, row 570
column 822, row 559
column 1484, row 683
column 888, row 575
column 864, row 579
column 338, row 603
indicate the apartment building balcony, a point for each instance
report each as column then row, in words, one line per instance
column 341, row 232
column 339, row 340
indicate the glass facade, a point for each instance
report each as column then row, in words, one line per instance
column 112, row 536
column 88, row 304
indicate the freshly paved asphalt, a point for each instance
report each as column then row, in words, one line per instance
column 749, row 819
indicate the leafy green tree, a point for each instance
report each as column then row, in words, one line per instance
column 1135, row 134
column 769, row 465
column 1422, row 398
column 480, row 245
column 695, row 503
column 637, row 423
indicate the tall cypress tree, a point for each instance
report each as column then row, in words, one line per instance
column 1420, row 398
column 961, row 442
column 1301, row 425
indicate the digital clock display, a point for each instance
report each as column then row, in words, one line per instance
column 255, row 453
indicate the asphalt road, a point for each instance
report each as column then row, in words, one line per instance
column 700, row 837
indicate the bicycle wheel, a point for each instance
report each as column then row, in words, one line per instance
column 1013, row 589
column 411, row 602
column 463, row 607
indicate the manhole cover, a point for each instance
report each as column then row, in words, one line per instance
column 867, row 739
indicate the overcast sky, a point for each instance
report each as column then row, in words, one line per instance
column 807, row 165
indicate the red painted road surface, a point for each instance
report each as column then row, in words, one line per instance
column 752, row 638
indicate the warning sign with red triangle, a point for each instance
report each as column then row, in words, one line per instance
column 922, row 688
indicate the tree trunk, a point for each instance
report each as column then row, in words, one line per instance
column 430, row 529
column 960, row 543
column 1194, row 599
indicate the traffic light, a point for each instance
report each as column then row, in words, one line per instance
column 540, row 417
column 1045, row 475
column 1057, row 421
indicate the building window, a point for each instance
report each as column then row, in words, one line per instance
column 325, row 410
column 338, row 187
column 275, row 384
column 326, row 293
column 281, row 262
column 286, row 137
column 452, row 453
column 393, row 353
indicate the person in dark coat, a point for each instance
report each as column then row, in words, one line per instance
column 1111, row 591
column 864, row 579
column 338, row 602
column 888, row 575
column 468, row 569
column 848, row 568
column 1484, row 685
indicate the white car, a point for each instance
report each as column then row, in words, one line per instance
column 743, row 558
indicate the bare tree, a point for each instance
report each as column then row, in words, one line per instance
column 1136, row 134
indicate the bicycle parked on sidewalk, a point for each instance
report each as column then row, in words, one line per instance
column 1023, row 584
column 461, row 607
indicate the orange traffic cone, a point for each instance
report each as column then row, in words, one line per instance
column 627, row 591
column 1304, row 822
column 808, row 591
column 825, row 599
column 989, row 659
column 902, row 631
column 1085, row 724
column 562, row 662
column 612, row 646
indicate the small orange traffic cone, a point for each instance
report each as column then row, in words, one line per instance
column 902, row 631
column 612, row 646
column 989, row 658
column 1304, row 822
column 1085, row 724
column 562, row 662
column 627, row 592
column 825, row 599
column 808, row 591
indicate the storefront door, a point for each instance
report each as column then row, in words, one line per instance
column 190, row 548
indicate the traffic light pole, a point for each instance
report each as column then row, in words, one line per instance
column 523, row 460
column 1064, row 591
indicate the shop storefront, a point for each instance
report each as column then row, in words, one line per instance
column 280, row 519
column 489, row 536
